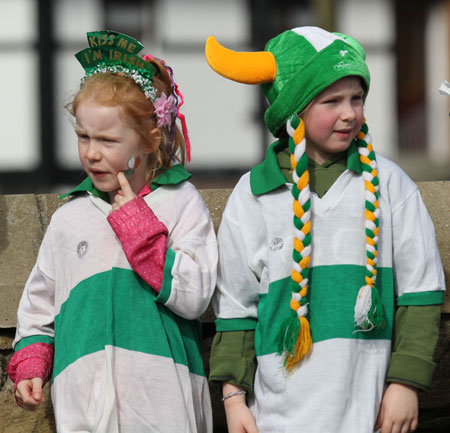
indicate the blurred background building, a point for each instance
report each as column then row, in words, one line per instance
column 407, row 44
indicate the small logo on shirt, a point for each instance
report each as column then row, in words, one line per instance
column 82, row 249
column 276, row 244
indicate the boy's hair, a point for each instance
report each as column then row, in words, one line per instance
column 294, row 68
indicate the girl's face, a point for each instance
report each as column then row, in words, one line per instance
column 334, row 119
column 105, row 144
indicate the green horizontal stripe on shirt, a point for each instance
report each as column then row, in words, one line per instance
column 421, row 298
column 26, row 341
column 331, row 298
column 117, row 308
column 224, row 325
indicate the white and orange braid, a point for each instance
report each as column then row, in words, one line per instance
column 294, row 337
column 369, row 312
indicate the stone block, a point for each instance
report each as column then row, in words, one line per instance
column 6, row 338
column 20, row 234
column 215, row 199
column 23, row 221
column 436, row 196
column 13, row 419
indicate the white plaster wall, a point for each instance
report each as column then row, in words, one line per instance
column 437, row 70
column 372, row 24
column 18, row 92
column 68, row 71
column 219, row 113
column 191, row 21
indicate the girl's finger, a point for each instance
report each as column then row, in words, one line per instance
column 124, row 185
column 36, row 392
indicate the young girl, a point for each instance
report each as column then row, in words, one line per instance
column 318, row 290
column 125, row 267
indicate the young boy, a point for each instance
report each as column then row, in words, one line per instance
column 348, row 297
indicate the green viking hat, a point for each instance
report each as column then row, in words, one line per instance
column 295, row 66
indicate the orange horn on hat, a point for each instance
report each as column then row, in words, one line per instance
column 246, row 67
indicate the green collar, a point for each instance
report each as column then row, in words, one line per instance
column 87, row 186
column 267, row 176
column 172, row 176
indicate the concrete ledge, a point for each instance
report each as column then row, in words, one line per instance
column 24, row 219
column 436, row 196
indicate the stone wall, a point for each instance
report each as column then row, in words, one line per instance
column 23, row 221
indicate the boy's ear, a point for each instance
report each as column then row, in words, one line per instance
column 154, row 141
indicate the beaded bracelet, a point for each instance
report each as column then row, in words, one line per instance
column 232, row 394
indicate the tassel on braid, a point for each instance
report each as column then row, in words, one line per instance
column 369, row 312
column 294, row 337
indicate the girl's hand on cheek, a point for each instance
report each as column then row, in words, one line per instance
column 125, row 193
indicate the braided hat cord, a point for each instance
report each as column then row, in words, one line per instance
column 369, row 308
column 294, row 338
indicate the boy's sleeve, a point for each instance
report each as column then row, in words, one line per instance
column 233, row 359
column 416, row 332
column 419, row 286
column 418, row 273
column 242, row 258
column 242, row 255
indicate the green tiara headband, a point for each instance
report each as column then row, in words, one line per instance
column 115, row 52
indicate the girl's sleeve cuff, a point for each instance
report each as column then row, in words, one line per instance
column 35, row 360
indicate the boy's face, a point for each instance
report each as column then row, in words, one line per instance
column 334, row 119
column 105, row 144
